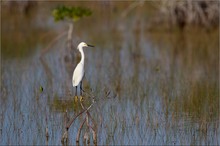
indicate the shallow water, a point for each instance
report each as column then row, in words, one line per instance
column 163, row 85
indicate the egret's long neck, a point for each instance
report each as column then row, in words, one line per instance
column 82, row 56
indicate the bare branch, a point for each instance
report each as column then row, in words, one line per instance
column 64, row 137
column 132, row 6
column 84, row 110
column 71, row 121
column 53, row 42
column 79, row 131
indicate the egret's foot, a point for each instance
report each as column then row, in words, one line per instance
column 81, row 99
column 75, row 98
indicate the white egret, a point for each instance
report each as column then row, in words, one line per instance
column 79, row 70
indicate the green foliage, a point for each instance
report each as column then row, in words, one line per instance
column 41, row 89
column 70, row 13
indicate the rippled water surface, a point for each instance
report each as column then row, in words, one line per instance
column 164, row 85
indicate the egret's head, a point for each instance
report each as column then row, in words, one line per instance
column 82, row 44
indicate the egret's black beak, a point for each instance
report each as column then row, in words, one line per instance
column 90, row 45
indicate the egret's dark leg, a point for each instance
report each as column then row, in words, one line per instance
column 76, row 91
column 81, row 88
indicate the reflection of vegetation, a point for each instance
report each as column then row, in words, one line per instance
column 183, row 13
column 138, row 115
column 193, row 69
column 63, row 105
column 20, row 36
column 200, row 103
column 19, row 44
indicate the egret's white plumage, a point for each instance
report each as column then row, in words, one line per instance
column 78, row 74
column 79, row 70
